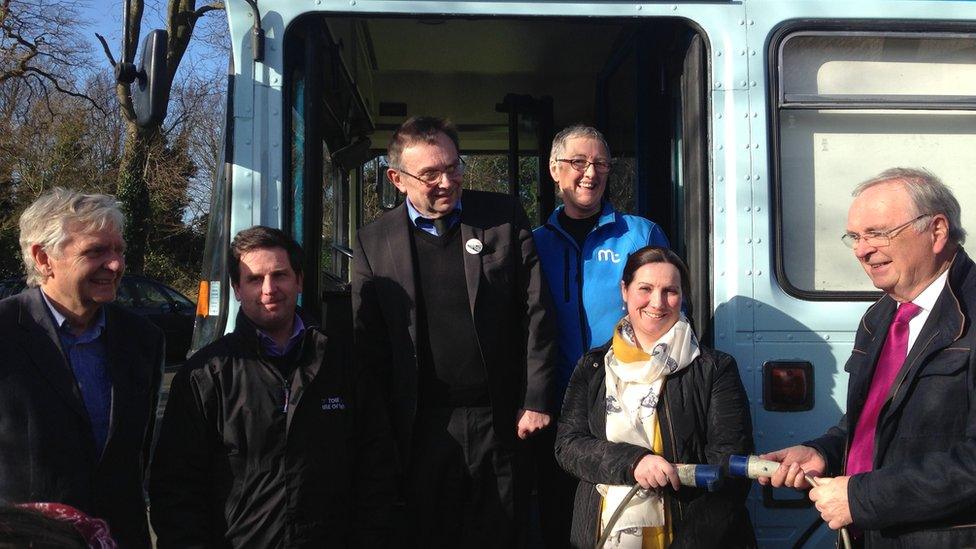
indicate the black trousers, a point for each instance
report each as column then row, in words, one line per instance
column 464, row 488
column 555, row 487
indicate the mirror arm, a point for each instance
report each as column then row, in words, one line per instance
column 257, row 33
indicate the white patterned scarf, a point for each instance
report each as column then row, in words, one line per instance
column 633, row 390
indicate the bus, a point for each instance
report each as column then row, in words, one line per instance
column 739, row 126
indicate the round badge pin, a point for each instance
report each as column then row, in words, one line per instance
column 473, row 246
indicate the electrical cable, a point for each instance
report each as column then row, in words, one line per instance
column 708, row 477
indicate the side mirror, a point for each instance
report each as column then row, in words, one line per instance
column 149, row 93
column 149, row 90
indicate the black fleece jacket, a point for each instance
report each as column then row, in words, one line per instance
column 248, row 459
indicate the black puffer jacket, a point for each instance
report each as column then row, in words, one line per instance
column 704, row 416
column 244, row 462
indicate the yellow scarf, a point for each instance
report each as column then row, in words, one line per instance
column 655, row 537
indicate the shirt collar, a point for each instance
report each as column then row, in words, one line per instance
column 607, row 215
column 60, row 320
column 926, row 300
column 269, row 345
column 421, row 221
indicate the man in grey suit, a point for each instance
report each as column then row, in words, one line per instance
column 80, row 377
column 451, row 313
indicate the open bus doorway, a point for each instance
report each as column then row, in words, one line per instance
column 509, row 85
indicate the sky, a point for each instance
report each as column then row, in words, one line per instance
column 105, row 17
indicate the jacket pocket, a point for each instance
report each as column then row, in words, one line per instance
column 947, row 362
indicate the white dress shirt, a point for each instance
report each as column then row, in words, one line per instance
column 925, row 300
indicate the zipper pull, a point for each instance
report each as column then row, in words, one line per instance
column 287, row 398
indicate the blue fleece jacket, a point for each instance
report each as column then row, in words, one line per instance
column 585, row 284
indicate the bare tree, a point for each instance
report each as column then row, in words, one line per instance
column 145, row 146
column 63, row 143
column 41, row 48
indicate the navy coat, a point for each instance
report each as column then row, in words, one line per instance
column 922, row 490
column 47, row 449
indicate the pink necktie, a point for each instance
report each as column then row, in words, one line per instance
column 860, row 458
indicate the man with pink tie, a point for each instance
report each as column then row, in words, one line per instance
column 900, row 466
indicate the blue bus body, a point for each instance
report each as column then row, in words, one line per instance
column 744, row 124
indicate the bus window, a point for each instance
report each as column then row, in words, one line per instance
column 622, row 184
column 489, row 172
column 331, row 188
column 371, row 187
column 848, row 107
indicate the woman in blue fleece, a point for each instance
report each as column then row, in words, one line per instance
column 583, row 247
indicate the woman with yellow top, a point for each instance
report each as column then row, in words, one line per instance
column 650, row 398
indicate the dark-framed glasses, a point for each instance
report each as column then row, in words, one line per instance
column 878, row 239
column 581, row 164
column 432, row 176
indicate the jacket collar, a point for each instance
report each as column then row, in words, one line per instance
column 44, row 347
column 309, row 356
column 608, row 215
column 946, row 324
column 248, row 332
column 948, row 316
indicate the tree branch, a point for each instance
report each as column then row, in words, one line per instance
column 57, row 86
column 106, row 49
column 209, row 7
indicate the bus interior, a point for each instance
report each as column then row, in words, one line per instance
column 508, row 84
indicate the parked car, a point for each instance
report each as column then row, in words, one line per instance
column 164, row 306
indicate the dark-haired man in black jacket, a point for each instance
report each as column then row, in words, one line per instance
column 271, row 438
column 451, row 307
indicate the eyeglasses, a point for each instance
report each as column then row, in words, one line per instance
column 581, row 165
column 877, row 239
column 432, row 177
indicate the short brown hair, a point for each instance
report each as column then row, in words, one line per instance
column 419, row 128
column 260, row 237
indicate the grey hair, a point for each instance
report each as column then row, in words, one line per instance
column 574, row 132
column 54, row 216
column 929, row 195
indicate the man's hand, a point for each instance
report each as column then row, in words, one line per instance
column 793, row 463
column 830, row 497
column 529, row 422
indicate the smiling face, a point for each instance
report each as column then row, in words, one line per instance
column 268, row 290
column 912, row 259
column 653, row 300
column 418, row 158
column 85, row 273
column 581, row 191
